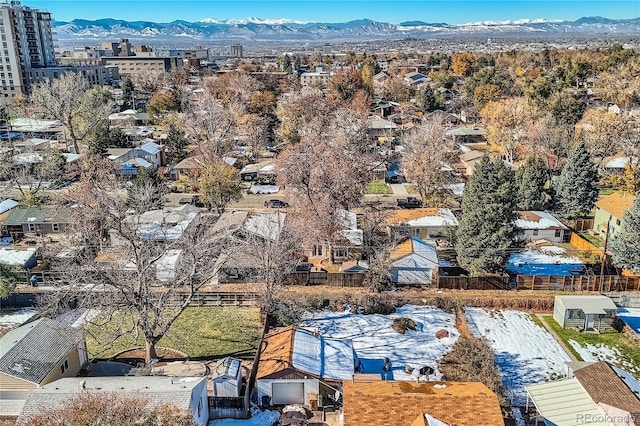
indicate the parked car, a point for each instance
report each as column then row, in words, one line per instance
column 410, row 203
column 276, row 204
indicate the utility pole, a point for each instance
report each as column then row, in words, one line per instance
column 604, row 256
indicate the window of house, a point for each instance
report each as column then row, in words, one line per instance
column 341, row 252
column 535, row 232
column 617, row 221
column 32, row 227
column 64, row 366
column 316, row 250
column 416, row 232
column 558, row 233
column 55, row 227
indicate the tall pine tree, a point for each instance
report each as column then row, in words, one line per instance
column 576, row 189
column 625, row 244
column 487, row 229
column 531, row 179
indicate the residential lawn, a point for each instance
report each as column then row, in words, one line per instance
column 378, row 187
column 591, row 238
column 628, row 349
column 199, row 332
column 411, row 189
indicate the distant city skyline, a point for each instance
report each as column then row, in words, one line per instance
column 452, row 11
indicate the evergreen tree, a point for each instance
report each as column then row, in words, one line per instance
column 286, row 64
column 426, row 100
column 576, row 189
column 127, row 93
column 487, row 229
column 104, row 137
column 625, row 244
column 176, row 145
column 146, row 191
column 531, row 178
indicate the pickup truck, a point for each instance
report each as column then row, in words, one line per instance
column 410, row 203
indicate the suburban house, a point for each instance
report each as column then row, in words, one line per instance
column 609, row 212
column 243, row 264
column 414, row 262
column 128, row 160
column 166, row 224
column 33, row 144
column 190, row 166
column 185, row 393
column 263, row 172
column 467, row 135
column 597, row 394
column 129, row 117
column 350, row 242
column 297, row 366
column 35, row 354
column 415, row 79
column 618, row 164
column 395, row 403
column 539, row 225
column 381, row 130
column 469, row 160
column 586, row 313
column 424, row 223
column 40, row 220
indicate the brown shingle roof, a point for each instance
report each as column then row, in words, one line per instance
column 616, row 203
column 604, row 385
column 276, row 352
column 394, row 403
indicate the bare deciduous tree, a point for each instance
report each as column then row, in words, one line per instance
column 146, row 274
column 73, row 102
column 426, row 154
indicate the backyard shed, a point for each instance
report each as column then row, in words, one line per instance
column 227, row 378
column 24, row 258
column 586, row 313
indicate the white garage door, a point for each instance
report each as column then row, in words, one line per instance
column 287, row 393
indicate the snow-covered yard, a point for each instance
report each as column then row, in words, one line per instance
column 259, row 418
column 525, row 352
column 16, row 318
column 602, row 352
column 631, row 317
column 374, row 339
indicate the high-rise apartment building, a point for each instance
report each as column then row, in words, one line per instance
column 236, row 50
column 27, row 43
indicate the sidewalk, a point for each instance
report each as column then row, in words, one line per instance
column 555, row 336
column 399, row 189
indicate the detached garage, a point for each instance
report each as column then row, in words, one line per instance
column 297, row 366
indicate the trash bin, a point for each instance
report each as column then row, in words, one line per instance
column 313, row 401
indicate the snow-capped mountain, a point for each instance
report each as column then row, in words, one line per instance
column 364, row 29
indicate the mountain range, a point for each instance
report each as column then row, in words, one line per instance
column 256, row 29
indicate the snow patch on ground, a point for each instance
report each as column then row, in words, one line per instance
column 525, row 352
column 258, row 418
column 551, row 250
column 374, row 339
column 601, row 352
column 631, row 317
column 18, row 317
column 542, row 256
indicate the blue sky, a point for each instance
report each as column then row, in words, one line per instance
column 451, row 11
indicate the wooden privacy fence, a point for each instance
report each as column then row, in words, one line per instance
column 578, row 283
column 326, row 278
column 584, row 245
column 227, row 407
column 490, row 282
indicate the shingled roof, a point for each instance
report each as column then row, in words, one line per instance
column 605, row 386
column 158, row 390
column 395, row 403
column 32, row 351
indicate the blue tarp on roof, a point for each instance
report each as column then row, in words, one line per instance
column 562, row 269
